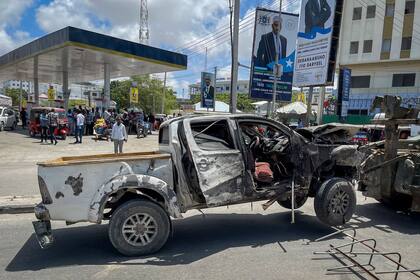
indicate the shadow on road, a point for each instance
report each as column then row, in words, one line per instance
column 385, row 218
column 194, row 238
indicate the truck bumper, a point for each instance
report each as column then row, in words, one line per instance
column 42, row 227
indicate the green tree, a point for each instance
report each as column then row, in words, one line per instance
column 150, row 94
column 14, row 94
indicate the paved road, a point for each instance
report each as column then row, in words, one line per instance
column 19, row 154
column 233, row 243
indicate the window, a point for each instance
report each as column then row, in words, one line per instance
column 371, row 10
column 406, row 44
column 354, row 47
column 409, row 7
column 357, row 13
column 164, row 135
column 389, row 10
column 212, row 135
column 227, row 88
column 367, row 46
column 386, row 45
column 360, row 81
column 403, row 80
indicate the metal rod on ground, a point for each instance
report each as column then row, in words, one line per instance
column 276, row 73
column 293, row 198
column 215, row 89
column 309, row 106
column 235, row 45
column 163, row 95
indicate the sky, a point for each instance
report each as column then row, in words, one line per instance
column 177, row 25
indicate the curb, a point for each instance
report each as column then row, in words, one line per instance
column 18, row 204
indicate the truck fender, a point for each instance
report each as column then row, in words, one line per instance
column 132, row 181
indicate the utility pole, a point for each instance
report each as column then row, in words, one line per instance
column 215, row 88
column 277, row 73
column 320, row 105
column 205, row 61
column 163, row 95
column 308, row 106
column 234, row 69
column 20, row 96
column 144, row 23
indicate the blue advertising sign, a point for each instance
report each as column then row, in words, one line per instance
column 207, row 90
column 273, row 35
column 344, row 85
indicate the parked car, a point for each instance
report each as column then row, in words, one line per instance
column 202, row 162
column 7, row 118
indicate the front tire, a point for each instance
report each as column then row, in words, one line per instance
column 139, row 227
column 335, row 202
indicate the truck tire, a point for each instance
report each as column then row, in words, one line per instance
column 299, row 201
column 335, row 202
column 139, row 227
column 1, row 126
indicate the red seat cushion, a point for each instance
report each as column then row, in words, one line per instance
column 263, row 172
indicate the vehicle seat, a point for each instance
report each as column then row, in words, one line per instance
column 263, row 172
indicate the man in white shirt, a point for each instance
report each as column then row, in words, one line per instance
column 118, row 135
column 80, row 122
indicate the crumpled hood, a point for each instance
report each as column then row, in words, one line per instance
column 331, row 133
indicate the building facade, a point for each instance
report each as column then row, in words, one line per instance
column 15, row 84
column 380, row 43
column 222, row 86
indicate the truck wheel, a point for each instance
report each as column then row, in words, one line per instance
column 335, row 202
column 1, row 126
column 299, row 201
column 139, row 227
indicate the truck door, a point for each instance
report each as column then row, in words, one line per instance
column 218, row 161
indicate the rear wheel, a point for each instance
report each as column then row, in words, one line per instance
column 31, row 133
column 335, row 202
column 13, row 126
column 1, row 126
column 139, row 227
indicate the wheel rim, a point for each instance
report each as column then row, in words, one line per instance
column 139, row 229
column 339, row 204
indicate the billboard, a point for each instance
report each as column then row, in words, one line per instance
column 314, row 51
column 207, row 90
column 272, row 35
column 134, row 93
column 344, row 84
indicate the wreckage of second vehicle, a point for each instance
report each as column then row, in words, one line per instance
column 203, row 161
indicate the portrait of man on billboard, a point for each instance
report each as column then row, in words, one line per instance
column 317, row 13
column 271, row 44
column 207, row 93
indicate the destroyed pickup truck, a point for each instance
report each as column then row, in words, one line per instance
column 203, row 161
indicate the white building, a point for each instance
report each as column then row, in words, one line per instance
column 222, row 86
column 15, row 84
column 380, row 43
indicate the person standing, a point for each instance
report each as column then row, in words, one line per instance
column 126, row 122
column 43, row 122
column 118, row 135
column 52, row 124
column 90, row 121
column 23, row 117
column 80, row 122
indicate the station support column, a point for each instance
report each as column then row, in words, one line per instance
column 65, row 78
column 107, row 86
column 36, row 82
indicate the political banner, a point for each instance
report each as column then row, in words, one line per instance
column 273, row 35
column 313, row 49
column 51, row 93
column 344, row 84
column 134, row 95
column 207, row 90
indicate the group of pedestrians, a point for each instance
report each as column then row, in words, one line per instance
column 89, row 118
column 49, row 123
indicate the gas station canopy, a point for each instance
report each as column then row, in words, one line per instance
column 82, row 56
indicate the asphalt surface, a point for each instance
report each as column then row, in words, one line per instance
column 19, row 154
column 226, row 243
column 238, row 242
